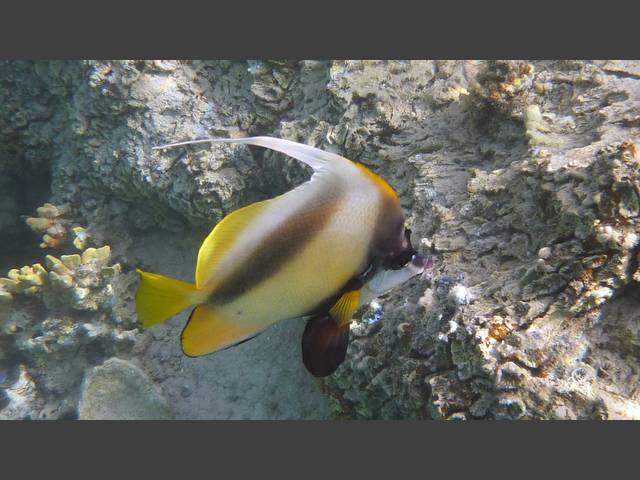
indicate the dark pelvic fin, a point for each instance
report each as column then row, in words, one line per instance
column 324, row 345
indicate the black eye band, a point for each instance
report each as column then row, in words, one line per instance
column 407, row 235
column 401, row 260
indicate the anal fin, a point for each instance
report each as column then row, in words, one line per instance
column 207, row 331
column 324, row 345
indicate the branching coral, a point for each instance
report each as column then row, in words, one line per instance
column 51, row 224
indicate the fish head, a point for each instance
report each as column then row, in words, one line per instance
column 399, row 249
column 387, row 279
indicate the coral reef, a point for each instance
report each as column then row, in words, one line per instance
column 56, row 230
column 51, row 224
column 545, row 232
column 522, row 177
column 56, row 322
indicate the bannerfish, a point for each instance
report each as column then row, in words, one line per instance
column 319, row 251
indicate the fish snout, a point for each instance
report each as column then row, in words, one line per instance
column 420, row 262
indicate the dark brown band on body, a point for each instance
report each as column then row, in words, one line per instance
column 386, row 237
column 279, row 247
column 388, row 232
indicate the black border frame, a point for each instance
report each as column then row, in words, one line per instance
column 402, row 29
column 319, row 30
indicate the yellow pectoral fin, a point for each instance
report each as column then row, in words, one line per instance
column 222, row 237
column 342, row 312
column 208, row 331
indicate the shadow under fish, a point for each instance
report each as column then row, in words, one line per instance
column 318, row 251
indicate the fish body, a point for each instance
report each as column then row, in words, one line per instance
column 298, row 252
column 309, row 252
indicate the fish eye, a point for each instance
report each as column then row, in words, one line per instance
column 404, row 253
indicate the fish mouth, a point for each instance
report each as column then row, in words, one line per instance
column 419, row 263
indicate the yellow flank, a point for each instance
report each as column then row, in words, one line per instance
column 222, row 238
column 159, row 297
column 380, row 182
column 314, row 274
column 208, row 331
column 342, row 312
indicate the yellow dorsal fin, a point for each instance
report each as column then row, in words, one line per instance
column 230, row 228
column 208, row 331
column 342, row 312
column 222, row 237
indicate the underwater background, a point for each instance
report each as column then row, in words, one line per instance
column 521, row 177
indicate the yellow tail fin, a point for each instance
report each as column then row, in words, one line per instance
column 159, row 297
